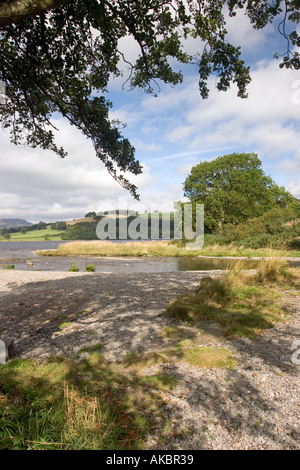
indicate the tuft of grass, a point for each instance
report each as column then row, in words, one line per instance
column 243, row 304
column 176, row 334
column 90, row 268
column 273, row 268
column 73, row 267
column 86, row 421
column 140, row 362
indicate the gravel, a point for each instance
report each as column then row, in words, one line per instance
column 253, row 406
column 53, row 313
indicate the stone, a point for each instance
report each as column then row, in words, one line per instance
column 6, row 349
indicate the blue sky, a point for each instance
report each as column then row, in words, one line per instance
column 171, row 133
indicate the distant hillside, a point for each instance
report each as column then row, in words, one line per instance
column 7, row 223
column 80, row 221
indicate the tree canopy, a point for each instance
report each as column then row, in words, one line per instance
column 233, row 188
column 57, row 56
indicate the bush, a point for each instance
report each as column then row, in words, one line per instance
column 258, row 241
column 269, row 229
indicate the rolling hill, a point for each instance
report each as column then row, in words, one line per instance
column 8, row 223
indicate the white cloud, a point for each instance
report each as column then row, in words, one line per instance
column 126, row 115
column 268, row 119
column 142, row 146
column 185, row 169
column 241, row 32
column 294, row 187
column 291, row 166
column 38, row 185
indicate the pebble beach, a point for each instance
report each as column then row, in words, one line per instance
column 253, row 406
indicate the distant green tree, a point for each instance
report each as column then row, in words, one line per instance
column 58, row 226
column 233, row 188
column 41, row 225
column 80, row 231
column 90, row 214
column 7, row 236
column 61, row 226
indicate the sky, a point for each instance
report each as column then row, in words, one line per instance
column 171, row 133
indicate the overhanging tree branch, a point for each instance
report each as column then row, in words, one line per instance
column 17, row 10
column 61, row 58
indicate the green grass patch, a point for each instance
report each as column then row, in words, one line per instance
column 64, row 325
column 204, row 357
column 63, row 404
column 175, row 334
column 35, row 235
column 91, row 349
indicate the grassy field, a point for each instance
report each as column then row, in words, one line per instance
column 35, row 235
column 152, row 248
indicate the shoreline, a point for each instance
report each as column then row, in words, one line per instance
column 142, row 256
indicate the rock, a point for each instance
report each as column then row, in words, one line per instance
column 7, row 351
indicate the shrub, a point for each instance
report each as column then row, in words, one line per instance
column 262, row 231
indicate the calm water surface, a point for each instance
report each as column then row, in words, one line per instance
column 21, row 255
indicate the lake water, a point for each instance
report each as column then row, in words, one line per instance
column 21, row 255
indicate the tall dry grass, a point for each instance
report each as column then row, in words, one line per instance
column 242, row 301
column 107, row 248
column 274, row 267
column 85, row 421
column 154, row 248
